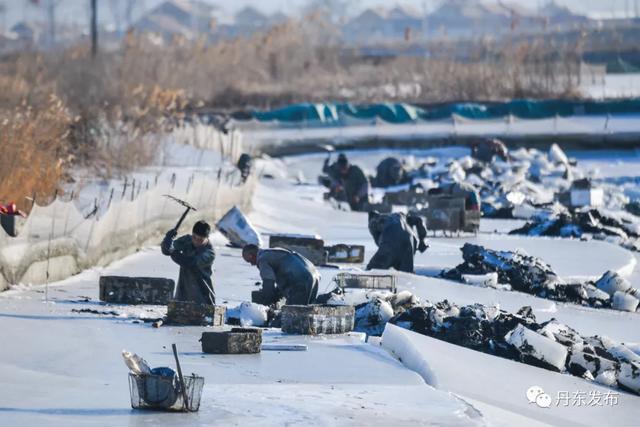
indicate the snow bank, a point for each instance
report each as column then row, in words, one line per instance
column 400, row 344
column 501, row 383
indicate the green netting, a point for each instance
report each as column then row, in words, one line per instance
column 404, row 113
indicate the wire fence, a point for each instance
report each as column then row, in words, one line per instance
column 72, row 233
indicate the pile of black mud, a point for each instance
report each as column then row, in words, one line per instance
column 620, row 228
column 525, row 273
column 549, row 345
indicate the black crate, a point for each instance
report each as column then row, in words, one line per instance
column 136, row 290
column 194, row 314
column 235, row 341
column 310, row 247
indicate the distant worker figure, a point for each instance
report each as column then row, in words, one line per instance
column 398, row 237
column 244, row 165
column 487, row 150
column 194, row 254
column 349, row 180
column 390, row 172
column 331, row 169
column 284, row 273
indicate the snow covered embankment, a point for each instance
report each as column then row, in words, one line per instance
column 499, row 387
column 60, row 240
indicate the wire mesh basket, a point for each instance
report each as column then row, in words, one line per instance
column 366, row 281
column 164, row 393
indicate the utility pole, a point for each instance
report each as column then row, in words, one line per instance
column 94, row 28
column 3, row 11
column 51, row 15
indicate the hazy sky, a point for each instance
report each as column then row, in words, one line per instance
column 77, row 10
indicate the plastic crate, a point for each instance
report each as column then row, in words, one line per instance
column 317, row 319
column 194, row 314
column 160, row 393
column 341, row 253
column 311, row 247
column 366, row 281
column 136, row 290
column 235, row 341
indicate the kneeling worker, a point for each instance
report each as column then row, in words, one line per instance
column 194, row 254
column 284, row 274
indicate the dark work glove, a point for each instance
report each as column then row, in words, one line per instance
column 167, row 241
column 422, row 246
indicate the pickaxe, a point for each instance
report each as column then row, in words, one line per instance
column 186, row 205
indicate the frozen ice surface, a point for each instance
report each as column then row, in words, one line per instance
column 60, row 368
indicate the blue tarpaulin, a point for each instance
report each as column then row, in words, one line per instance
column 404, row 113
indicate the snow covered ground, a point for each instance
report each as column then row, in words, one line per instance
column 615, row 86
column 59, row 367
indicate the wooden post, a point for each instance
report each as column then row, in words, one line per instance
column 124, row 188
column 94, row 28
column 110, row 198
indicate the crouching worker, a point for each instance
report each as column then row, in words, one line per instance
column 194, row 254
column 398, row 237
column 284, row 274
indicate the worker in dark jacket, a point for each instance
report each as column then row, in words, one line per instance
column 244, row 165
column 284, row 273
column 390, row 172
column 398, row 237
column 487, row 150
column 194, row 254
column 349, row 180
column 331, row 169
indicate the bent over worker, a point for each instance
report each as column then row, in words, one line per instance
column 398, row 237
column 285, row 274
column 194, row 254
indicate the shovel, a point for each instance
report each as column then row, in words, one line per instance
column 181, row 379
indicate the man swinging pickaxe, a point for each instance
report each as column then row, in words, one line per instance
column 184, row 215
column 194, row 254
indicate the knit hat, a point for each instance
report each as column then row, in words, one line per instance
column 201, row 228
